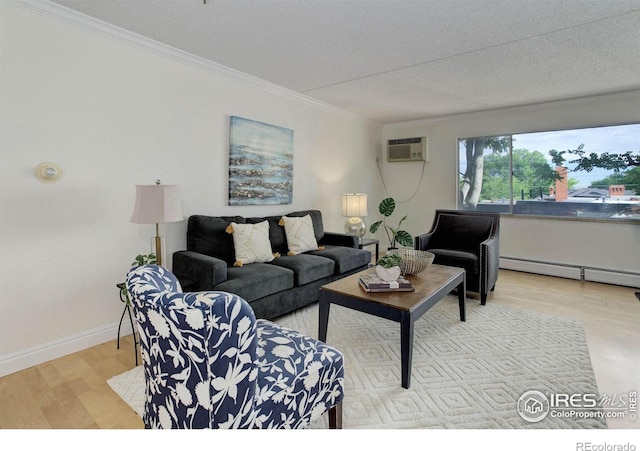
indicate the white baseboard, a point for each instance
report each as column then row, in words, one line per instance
column 615, row 278
column 11, row 363
column 548, row 269
column 610, row 276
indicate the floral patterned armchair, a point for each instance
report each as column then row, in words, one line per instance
column 209, row 363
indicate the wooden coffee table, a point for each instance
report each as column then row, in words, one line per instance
column 403, row 307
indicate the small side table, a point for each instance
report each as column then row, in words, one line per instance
column 127, row 309
column 370, row 242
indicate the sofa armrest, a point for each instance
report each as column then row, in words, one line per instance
column 422, row 241
column 198, row 272
column 340, row 239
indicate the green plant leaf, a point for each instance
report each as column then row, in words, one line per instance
column 387, row 206
column 389, row 260
column 404, row 238
column 141, row 259
column 374, row 226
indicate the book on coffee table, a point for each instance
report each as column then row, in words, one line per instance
column 371, row 283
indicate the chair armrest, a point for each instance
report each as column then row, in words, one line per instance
column 198, row 272
column 340, row 239
column 422, row 241
column 489, row 248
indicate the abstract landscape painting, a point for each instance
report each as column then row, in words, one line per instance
column 260, row 163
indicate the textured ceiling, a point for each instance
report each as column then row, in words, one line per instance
column 398, row 60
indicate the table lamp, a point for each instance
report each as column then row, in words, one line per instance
column 354, row 206
column 155, row 204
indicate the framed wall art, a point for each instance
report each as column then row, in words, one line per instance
column 260, row 163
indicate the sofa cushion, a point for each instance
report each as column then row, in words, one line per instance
column 251, row 243
column 345, row 258
column 300, row 234
column 306, row 268
column 206, row 235
column 256, row 281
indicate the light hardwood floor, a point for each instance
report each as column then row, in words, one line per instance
column 72, row 393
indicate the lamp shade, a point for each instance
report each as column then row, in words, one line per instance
column 354, row 205
column 157, row 203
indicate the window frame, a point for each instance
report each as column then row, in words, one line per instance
column 512, row 137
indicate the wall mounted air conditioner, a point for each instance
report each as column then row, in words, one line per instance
column 407, row 149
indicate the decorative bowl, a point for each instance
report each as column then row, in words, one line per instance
column 414, row 261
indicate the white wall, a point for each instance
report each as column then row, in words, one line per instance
column 590, row 244
column 113, row 114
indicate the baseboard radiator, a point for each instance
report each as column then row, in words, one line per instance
column 586, row 273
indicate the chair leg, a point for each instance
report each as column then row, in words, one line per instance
column 483, row 298
column 335, row 416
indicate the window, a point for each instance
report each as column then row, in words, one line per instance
column 591, row 173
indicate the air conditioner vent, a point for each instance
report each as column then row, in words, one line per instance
column 407, row 149
column 406, row 141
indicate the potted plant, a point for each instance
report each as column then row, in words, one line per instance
column 388, row 267
column 141, row 259
column 394, row 234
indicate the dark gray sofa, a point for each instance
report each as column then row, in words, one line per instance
column 272, row 289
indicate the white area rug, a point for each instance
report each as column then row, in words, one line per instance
column 465, row 375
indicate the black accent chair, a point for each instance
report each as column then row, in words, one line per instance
column 469, row 240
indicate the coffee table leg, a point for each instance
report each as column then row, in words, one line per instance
column 406, row 347
column 462, row 294
column 323, row 316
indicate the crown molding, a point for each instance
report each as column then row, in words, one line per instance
column 92, row 25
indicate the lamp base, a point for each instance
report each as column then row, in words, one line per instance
column 355, row 226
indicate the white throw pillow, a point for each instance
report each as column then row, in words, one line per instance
column 251, row 242
column 300, row 235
